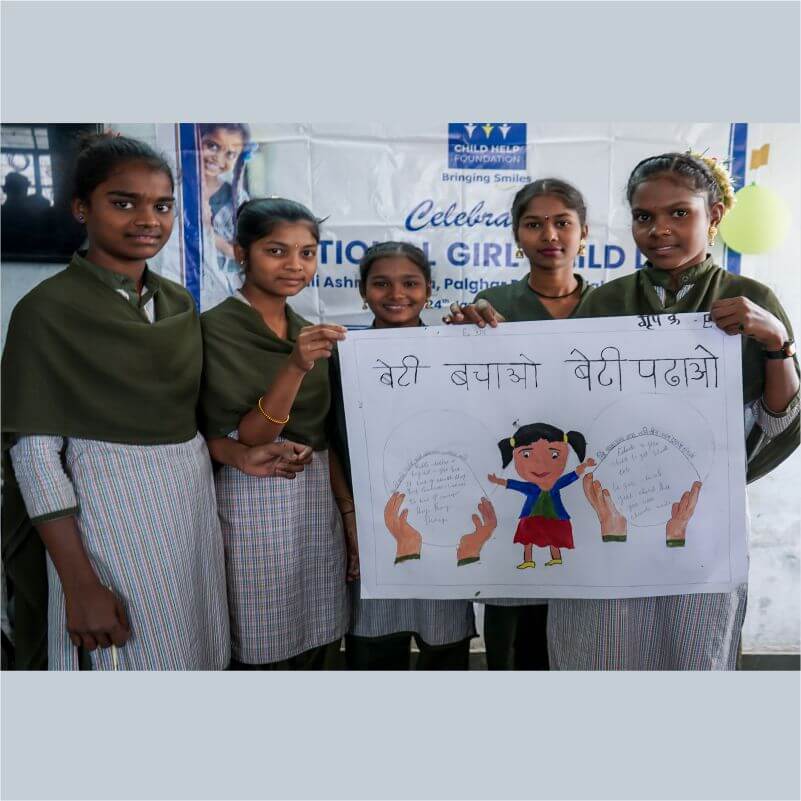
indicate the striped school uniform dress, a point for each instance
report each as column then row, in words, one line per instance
column 285, row 561
column 436, row 622
column 675, row 632
column 678, row 632
column 148, row 522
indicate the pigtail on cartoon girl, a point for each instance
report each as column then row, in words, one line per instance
column 540, row 452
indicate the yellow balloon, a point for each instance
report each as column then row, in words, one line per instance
column 758, row 223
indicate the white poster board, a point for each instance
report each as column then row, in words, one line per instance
column 658, row 401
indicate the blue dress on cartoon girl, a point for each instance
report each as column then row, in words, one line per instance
column 544, row 521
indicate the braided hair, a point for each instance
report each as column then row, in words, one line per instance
column 705, row 174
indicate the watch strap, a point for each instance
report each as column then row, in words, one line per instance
column 786, row 351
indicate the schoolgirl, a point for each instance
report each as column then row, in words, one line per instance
column 395, row 283
column 101, row 373
column 677, row 202
column 266, row 379
column 549, row 223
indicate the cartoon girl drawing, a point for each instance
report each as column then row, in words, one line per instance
column 540, row 454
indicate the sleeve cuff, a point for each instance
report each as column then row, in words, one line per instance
column 46, row 518
column 791, row 410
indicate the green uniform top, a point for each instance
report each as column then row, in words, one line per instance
column 518, row 302
column 701, row 285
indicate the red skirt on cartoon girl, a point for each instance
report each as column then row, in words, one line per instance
column 544, row 531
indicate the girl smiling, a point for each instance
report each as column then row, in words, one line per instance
column 677, row 202
column 266, row 380
column 395, row 282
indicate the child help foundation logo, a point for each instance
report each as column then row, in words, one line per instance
column 487, row 146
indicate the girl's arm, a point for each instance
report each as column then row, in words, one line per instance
column 781, row 384
column 281, row 459
column 347, row 509
column 262, row 425
column 94, row 615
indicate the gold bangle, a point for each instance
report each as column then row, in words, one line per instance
column 272, row 419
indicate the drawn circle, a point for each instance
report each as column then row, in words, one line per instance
column 645, row 463
column 439, row 460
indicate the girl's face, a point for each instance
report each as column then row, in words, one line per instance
column 542, row 463
column 219, row 150
column 670, row 222
column 396, row 292
column 550, row 233
column 129, row 216
column 283, row 262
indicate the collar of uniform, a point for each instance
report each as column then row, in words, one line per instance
column 150, row 281
column 689, row 276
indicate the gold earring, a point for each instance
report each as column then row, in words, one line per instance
column 713, row 232
column 519, row 253
column 582, row 248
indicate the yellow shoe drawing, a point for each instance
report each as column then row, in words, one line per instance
column 524, row 565
column 553, row 562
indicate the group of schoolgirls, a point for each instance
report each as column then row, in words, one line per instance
column 177, row 491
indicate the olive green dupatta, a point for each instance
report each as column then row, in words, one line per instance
column 637, row 294
column 241, row 358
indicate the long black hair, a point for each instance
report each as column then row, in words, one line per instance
column 534, row 432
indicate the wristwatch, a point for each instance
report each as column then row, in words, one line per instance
column 787, row 351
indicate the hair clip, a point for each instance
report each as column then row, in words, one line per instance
column 512, row 441
column 564, row 437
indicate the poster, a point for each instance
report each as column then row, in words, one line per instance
column 446, row 187
column 573, row 458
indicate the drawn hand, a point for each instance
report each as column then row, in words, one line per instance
column 315, row 342
column 742, row 316
column 614, row 526
column 351, row 546
column 501, row 482
column 278, row 459
column 470, row 545
column 584, row 465
column 480, row 313
column 676, row 529
column 408, row 538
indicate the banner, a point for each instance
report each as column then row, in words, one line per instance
column 447, row 187
column 564, row 459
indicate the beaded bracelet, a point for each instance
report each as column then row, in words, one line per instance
column 272, row 419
